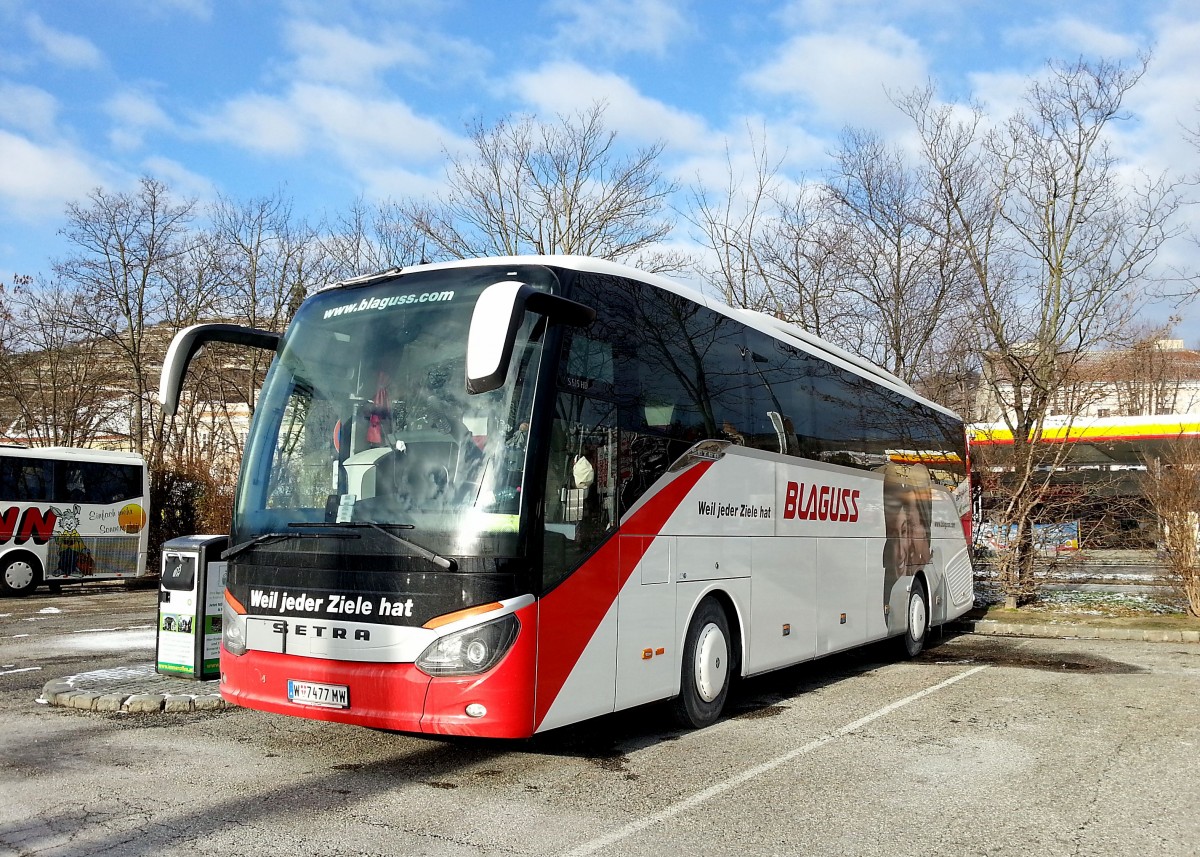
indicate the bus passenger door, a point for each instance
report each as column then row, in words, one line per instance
column 577, row 619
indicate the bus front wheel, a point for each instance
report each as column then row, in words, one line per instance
column 918, row 619
column 21, row 574
column 706, row 667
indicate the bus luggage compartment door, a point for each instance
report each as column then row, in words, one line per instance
column 647, row 656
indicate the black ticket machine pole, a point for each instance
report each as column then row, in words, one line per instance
column 190, row 596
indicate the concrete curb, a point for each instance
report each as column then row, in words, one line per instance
column 992, row 628
column 133, row 690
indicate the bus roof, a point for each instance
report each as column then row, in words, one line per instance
column 69, row 453
column 784, row 331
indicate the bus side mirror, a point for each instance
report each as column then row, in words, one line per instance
column 494, row 324
column 190, row 340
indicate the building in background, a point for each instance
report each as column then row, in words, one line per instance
column 1121, row 412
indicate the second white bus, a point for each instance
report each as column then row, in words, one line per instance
column 71, row 515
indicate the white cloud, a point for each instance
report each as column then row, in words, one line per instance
column 382, row 143
column 36, row 181
column 622, row 26
column 790, row 150
column 368, row 127
column 844, row 78
column 566, row 88
column 335, row 55
column 1000, row 93
column 182, row 181
column 134, row 114
column 64, row 48
column 27, row 108
column 853, row 15
column 258, row 123
column 1070, row 37
column 398, row 183
column 1165, row 102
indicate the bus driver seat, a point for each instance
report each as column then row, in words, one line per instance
column 418, row 474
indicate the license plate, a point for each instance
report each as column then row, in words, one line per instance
column 315, row 693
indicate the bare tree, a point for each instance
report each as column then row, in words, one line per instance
column 897, row 255
column 58, row 386
column 262, row 262
column 773, row 249
column 528, row 186
column 806, row 266
column 1059, row 245
column 267, row 261
column 124, row 245
column 732, row 227
column 1172, row 485
column 366, row 239
column 200, row 432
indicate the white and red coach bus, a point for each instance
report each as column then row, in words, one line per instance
column 498, row 496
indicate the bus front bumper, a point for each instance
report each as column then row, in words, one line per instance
column 393, row 697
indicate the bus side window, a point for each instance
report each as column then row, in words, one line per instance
column 34, row 479
column 780, row 393
column 75, row 487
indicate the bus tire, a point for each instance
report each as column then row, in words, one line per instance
column 707, row 663
column 917, row 627
column 20, row 573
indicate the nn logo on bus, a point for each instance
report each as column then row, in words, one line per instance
column 34, row 524
column 820, row 503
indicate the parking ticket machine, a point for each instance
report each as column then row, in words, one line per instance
column 190, row 596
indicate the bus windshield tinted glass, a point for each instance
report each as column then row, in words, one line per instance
column 365, row 418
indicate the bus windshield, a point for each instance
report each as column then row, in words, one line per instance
column 364, row 419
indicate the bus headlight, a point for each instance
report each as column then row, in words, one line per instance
column 472, row 650
column 233, row 630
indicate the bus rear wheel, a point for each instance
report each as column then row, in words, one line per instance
column 21, row 574
column 706, row 669
column 918, row 620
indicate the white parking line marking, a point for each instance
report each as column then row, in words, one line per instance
column 712, row 791
column 23, row 670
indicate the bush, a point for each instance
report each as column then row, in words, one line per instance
column 187, row 500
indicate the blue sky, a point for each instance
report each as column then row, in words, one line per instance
column 332, row 100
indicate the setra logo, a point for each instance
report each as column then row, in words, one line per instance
column 820, row 503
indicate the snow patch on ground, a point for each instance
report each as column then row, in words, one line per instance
column 1092, row 603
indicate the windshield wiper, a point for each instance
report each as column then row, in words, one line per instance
column 263, row 538
column 445, row 562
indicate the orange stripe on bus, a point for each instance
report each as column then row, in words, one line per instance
column 446, row 619
column 234, row 604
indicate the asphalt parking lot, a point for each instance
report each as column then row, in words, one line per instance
column 983, row 746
